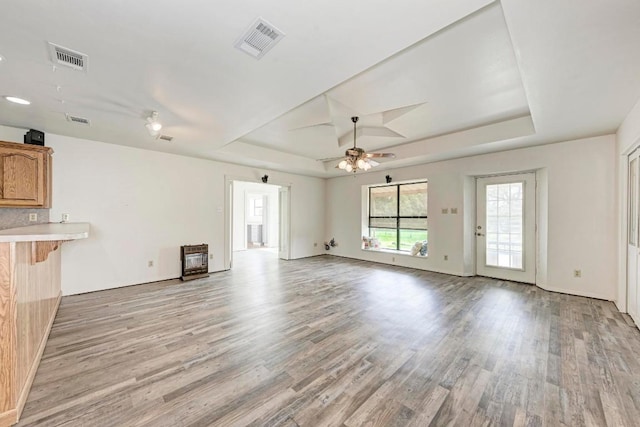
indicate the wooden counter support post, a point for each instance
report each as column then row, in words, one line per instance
column 8, row 314
column 30, row 292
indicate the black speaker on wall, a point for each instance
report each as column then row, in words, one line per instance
column 34, row 137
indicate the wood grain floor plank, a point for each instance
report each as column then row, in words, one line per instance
column 301, row 343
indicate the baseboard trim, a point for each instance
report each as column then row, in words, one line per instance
column 8, row 418
column 575, row 293
column 432, row 270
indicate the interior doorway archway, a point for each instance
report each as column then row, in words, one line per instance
column 257, row 216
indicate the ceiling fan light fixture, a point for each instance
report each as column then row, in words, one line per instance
column 356, row 158
column 153, row 125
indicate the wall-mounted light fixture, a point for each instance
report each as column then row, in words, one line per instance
column 265, row 178
column 388, row 178
column 153, row 125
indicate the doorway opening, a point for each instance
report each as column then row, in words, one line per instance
column 257, row 221
column 256, row 214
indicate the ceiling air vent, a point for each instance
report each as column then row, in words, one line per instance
column 67, row 57
column 79, row 120
column 259, row 38
column 165, row 138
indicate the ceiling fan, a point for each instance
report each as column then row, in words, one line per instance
column 356, row 158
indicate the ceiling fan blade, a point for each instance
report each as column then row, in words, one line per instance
column 329, row 159
column 390, row 155
column 372, row 162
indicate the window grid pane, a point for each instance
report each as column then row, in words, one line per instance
column 398, row 215
column 504, row 236
column 413, row 199
column 387, row 238
column 383, row 201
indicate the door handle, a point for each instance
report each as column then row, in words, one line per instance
column 479, row 234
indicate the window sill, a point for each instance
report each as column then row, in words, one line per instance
column 391, row 251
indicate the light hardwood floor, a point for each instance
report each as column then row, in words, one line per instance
column 327, row 341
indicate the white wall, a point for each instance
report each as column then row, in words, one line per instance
column 142, row 205
column 627, row 138
column 580, row 207
column 141, row 208
column 629, row 131
column 239, row 223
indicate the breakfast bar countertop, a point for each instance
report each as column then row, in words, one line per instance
column 46, row 232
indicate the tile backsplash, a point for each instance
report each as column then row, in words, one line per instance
column 19, row 217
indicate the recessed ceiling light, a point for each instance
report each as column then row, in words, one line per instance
column 17, row 100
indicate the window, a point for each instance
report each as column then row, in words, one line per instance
column 257, row 207
column 398, row 215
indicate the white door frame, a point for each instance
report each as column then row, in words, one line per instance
column 530, row 244
column 623, row 232
column 632, row 270
column 284, row 230
column 228, row 215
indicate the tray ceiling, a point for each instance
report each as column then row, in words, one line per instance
column 430, row 80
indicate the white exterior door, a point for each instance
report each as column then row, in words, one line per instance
column 506, row 228
column 633, row 246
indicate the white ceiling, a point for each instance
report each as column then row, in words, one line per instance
column 431, row 80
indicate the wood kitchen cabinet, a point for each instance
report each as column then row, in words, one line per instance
column 25, row 175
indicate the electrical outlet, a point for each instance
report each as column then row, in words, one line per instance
column 577, row 273
column 33, row 217
column 454, row 211
column 150, row 263
column 210, row 256
column 65, row 217
column 445, row 211
column 393, row 259
column 446, row 257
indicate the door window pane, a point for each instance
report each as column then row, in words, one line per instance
column 504, row 225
